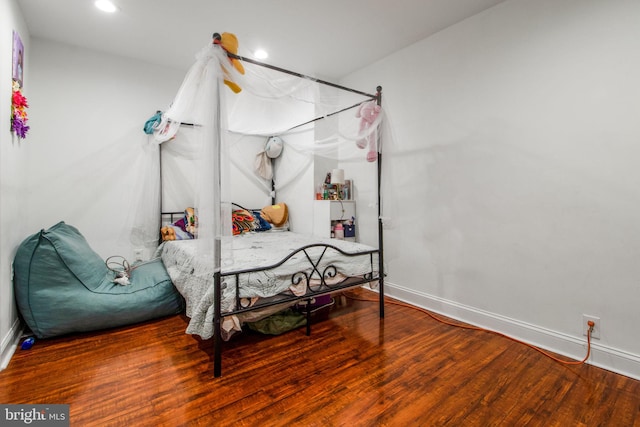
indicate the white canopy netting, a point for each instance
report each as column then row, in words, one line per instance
column 207, row 125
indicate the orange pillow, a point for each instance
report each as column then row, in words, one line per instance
column 276, row 214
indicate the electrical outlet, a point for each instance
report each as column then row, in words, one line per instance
column 595, row 334
column 137, row 253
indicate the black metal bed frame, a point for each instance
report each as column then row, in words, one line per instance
column 321, row 286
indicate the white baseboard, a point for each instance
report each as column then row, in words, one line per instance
column 573, row 347
column 10, row 344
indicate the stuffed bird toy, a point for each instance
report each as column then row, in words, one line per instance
column 229, row 42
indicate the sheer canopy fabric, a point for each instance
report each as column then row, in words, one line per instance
column 206, row 123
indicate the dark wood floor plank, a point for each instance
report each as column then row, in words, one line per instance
column 354, row 369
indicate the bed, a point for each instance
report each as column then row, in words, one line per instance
column 262, row 273
column 247, row 277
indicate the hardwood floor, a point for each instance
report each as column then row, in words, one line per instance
column 354, row 370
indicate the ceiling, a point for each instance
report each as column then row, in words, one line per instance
column 325, row 39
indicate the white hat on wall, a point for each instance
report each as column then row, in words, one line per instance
column 273, row 147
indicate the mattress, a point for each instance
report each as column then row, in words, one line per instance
column 192, row 273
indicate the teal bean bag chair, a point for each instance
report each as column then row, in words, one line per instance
column 63, row 286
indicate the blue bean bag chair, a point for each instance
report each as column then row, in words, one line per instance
column 62, row 286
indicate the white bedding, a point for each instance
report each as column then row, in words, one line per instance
column 192, row 274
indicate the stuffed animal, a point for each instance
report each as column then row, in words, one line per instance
column 183, row 229
column 191, row 221
column 168, row 232
column 174, row 232
column 229, row 42
column 368, row 113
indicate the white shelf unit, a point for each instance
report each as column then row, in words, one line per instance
column 326, row 213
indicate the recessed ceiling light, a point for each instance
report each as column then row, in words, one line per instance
column 105, row 6
column 261, row 54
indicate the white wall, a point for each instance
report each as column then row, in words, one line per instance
column 12, row 174
column 516, row 172
column 81, row 103
column 88, row 113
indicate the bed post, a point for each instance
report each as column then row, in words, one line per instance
column 380, row 225
column 160, row 186
column 217, row 242
column 273, row 187
column 217, row 331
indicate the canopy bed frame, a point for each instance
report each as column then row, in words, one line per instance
column 323, row 270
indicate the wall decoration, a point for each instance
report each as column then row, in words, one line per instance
column 18, row 58
column 18, row 101
column 19, row 112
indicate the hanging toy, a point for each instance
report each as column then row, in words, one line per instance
column 368, row 113
column 229, row 42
